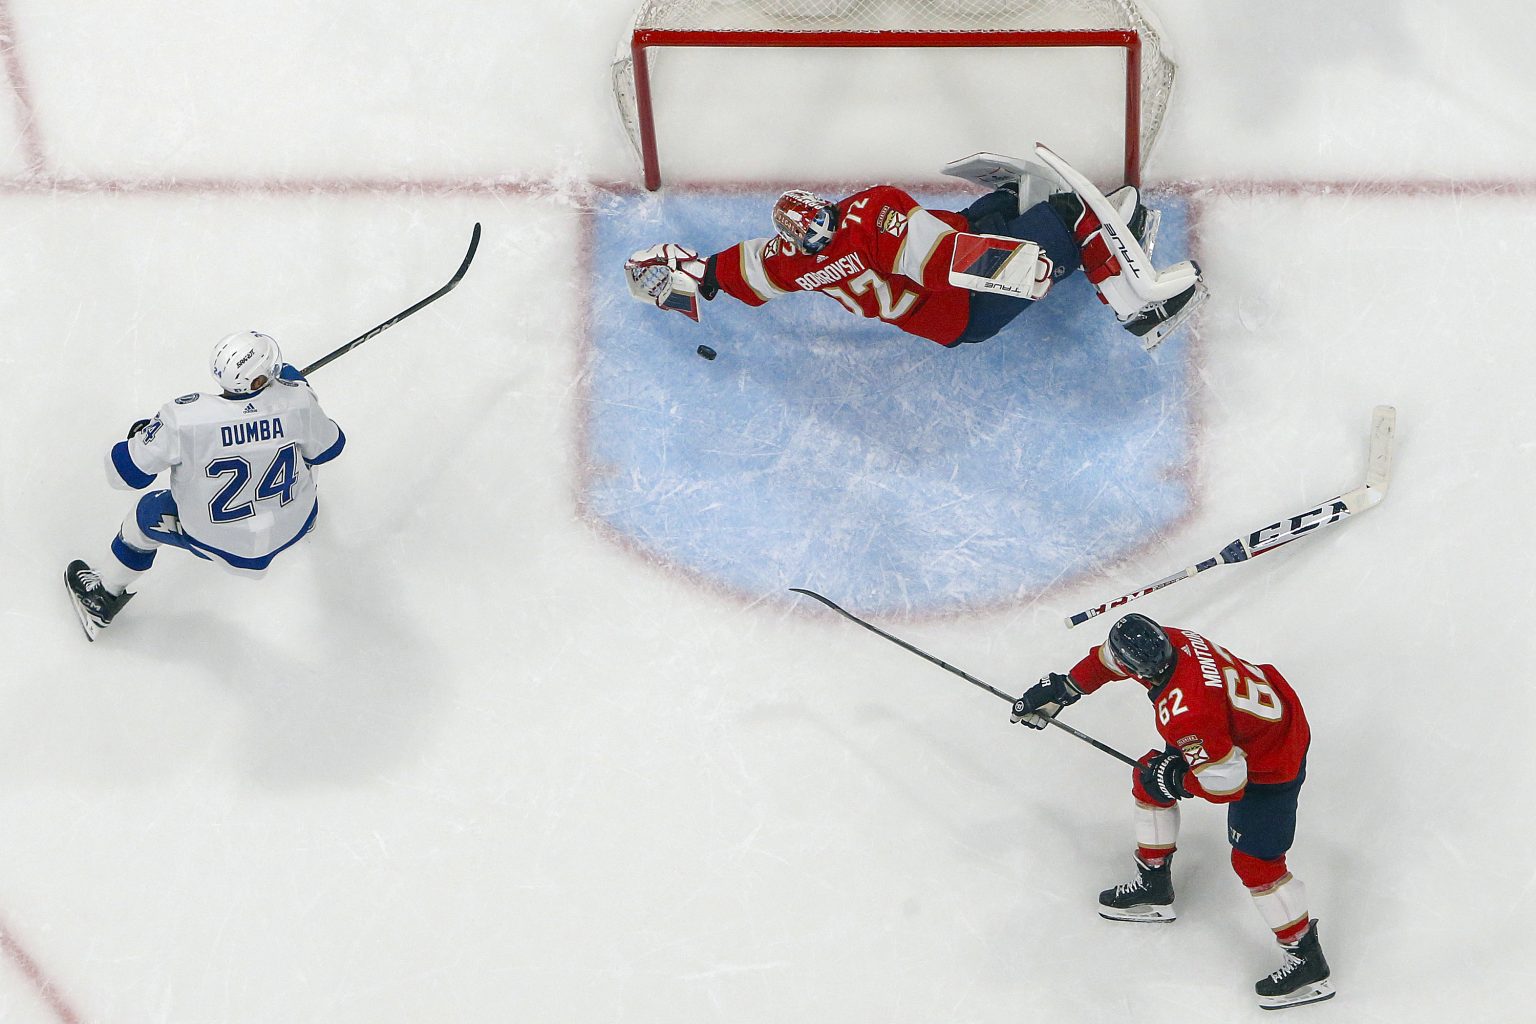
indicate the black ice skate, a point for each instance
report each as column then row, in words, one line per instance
column 95, row 606
column 1160, row 319
column 1148, row 899
column 1302, row 979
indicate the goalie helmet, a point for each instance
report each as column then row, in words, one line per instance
column 1140, row 648
column 805, row 220
column 245, row 362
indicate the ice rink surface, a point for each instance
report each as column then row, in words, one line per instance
column 473, row 753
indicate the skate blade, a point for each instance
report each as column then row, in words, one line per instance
column 1158, row 334
column 1314, row 993
column 1145, row 914
column 86, row 622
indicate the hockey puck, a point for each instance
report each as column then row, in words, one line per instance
column 706, row 352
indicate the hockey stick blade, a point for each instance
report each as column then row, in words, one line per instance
column 1268, row 538
column 946, row 666
column 458, row 275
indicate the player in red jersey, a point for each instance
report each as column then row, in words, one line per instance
column 950, row 277
column 1235, row 734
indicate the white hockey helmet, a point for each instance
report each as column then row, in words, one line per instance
column 245, row 362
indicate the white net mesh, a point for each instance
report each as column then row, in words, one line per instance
column 810, row 16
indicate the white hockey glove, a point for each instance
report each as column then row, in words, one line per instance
column 668, row 275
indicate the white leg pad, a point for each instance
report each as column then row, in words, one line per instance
column 1137, row 272
column 1156, row 827
column 1282, row 904
column 990, row 170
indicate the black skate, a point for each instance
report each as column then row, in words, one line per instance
column 1160, row 319
column 1302, row 979
column 95, row 607
column 1149, row 899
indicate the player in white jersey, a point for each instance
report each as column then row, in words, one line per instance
column 242, row 487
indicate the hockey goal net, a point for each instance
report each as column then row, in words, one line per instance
column 1123, row 25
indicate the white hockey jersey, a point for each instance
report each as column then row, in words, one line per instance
column 240, row 466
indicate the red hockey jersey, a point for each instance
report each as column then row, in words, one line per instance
column 888, row 260
column 1235, row 722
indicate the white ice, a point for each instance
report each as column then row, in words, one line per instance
column 461, row 757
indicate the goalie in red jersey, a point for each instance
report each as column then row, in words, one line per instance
column 1235, row 734
column 951, row 277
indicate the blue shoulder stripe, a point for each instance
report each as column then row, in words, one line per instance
column 132, row 475
column 331, row 452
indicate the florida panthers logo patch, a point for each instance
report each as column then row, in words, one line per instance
column 1193, row 749
column 891, row 222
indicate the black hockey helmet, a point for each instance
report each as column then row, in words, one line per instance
column 1141, row 648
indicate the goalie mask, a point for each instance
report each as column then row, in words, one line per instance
column 805, row 220
column 1139, row 647
column 245, row 362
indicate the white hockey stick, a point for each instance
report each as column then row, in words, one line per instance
column 1378, row 477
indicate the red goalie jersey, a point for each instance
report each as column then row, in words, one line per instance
column 1234, row 722
column 889, row 260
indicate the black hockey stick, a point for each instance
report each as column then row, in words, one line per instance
column 1111, row 751
column 458, row 275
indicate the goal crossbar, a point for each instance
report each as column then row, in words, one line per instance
column 644, row 40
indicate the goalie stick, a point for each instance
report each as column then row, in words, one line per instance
column 946, row 666
column 458, row 275
column 1378, row 477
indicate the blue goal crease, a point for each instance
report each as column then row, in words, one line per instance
column 832, row 452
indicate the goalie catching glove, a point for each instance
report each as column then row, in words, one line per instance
column 1045, row 700
column 671, row 276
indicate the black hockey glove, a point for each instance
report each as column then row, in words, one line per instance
column 1162, row 774
column 138, row 425
column 1045, row 700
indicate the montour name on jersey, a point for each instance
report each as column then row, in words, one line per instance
column 1208, row 669
column 831, row 273
column 248, row 433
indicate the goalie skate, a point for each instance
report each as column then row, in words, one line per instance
column 1159, row 320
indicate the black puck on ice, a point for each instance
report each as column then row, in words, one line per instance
column 706, row 352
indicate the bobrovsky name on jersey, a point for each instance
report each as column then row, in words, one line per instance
column 831, row 273
column 249, row 433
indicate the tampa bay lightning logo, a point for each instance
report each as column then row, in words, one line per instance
column 834, row 452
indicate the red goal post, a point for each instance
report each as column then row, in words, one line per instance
column 906, row 24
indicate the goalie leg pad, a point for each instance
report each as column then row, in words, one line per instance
column 1149, row 304
column 1033, row 181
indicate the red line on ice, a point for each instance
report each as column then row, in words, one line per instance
column 44, row 985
